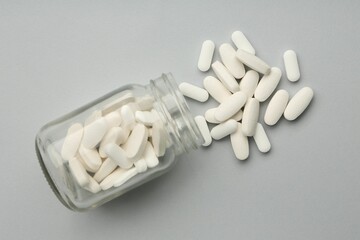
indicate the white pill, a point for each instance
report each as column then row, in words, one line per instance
column 261, row 139
column 204, row 130
column 158, row 138
column 118, row 155
column 268, row 84
column 237, row 116
column 140, row 165
column 298, row 103
column 276, row 107
column 93, row 186
column 225, row 76
column 291, row 66
column 242, row 42
column 126, row 97
column 72, row 141
column 216, row 89
column 145, row 103
column 136, row 143
column 150, row 156
column 227, row 54
column 113, row 119
column 230, row 106
column 210, row 116
column 94, row 132
column 194, row 92
column 78, row 172
column 125, row 176
column 91, row 158
column 253, row 61
column 206, row 55
column 250, row 117
column 109, row 181
column 240, row 143
column 95, row 115
column 115, row 135
column 249, row 83
column 89, row 168
column 128, row 118
column 105, row 169
column 145, row 117
column 223, row 129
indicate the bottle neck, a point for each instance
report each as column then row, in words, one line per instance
column 175, row 114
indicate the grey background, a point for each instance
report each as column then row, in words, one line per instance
column 58, row 55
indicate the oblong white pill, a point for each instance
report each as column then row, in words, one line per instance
column 158, row 138
column 225, row 76
column 194, row 92
column 78, row 172
column 210, row 116
column 91, row 158
column 242, row 42
column 118, row 155
column 128, row 118
column 94, row 132
column 253, row 61
column 268, row 84
column 237, row 116
column 115, row 135
column 276, row 107
column 261, row 139
column 150, row 156
column 230, row 106
column 113, row 119
column 109, row 181
column 240, row 143
column 206, row 55
column 250, row 117
column 291, row 66
column 298, row 103
column 204, row 130
column 136, row 143
column 93, row 186
column 227, row 55
column 85, row 165
column 105, row 169
column 146, row 117
column 140, row 165
column 223, row 129
column 145, row 103
column 216, row 89
column 125, row 176
column 249, row 83
column 72, row 141
column 126, row 97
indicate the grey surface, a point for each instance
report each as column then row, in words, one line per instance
column 58, row 55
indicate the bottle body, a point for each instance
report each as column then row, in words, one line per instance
column 78, row 190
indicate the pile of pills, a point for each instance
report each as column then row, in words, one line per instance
column 243, row 82
column 115, row 143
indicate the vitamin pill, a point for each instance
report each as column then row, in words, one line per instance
column 145, row 103
column 145, row 117
column 94, row 132
column 298, row 103
column 241, row 42
column 268, row 84
column 227, row 54
column 128, row 118
column 91, row 158
column 93, row 186
column 127, row 96
column 105, row 169
column 115, row 135
column 253, row 61
column 225, row 77
column 249, row 83
column 230, row 106
column 113, row 119
column 118, row 155
column 216, row 89
column 204, row 130
column 276, row 107
column 261, row 139
column 250, row 117
column 109, row 181
column 210, row 116
column 79, row 172
column 140, row 165
column 240, row 143
column 136, row 143
column 224, row 129
column 194, row 92
column 237, row 116
column 150, row 156
column 124, row 177
column 158, row 138
column 291, row 66
column 72, row 141
column 206, row 55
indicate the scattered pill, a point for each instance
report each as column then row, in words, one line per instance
column 224, row 129
column 94, row 132
column 194, row 92
column 216, row 89
column 276, row 107
column 291, row 66
column 230, row 106
column 250, row 117
column 261, row 139
column 206, row 55
column 253, row 61
column 204, row 130
column 240, row 143
column 79, row 172
column 298, row 103
column 105, row 169
column 241, row 42
column 225, row 76
column 125, row 176
column 268, row 84
column 249, row 83
column 72, row 141
column 136, row 143
column 227, row 54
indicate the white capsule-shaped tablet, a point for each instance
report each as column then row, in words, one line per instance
column 240, row 143
column 291, row 66
column 109, row 181
column 261, row 139
column 78, row 172
column 94, row 132
column 227, row 55
column 225, row 76
column 250, row 117
column 113, row 119
column 146, row 117
column 118, row 155
column 237, row 116
column 276, row 107
column 125, row 176
column 206, row 55
column 210, row 116
column 224, row 129
column 268, row 84
column 105, row 169
column 158, row 138
column 126, row 97
column 216, row 89
column 115, row 135
column 72, row 141
column 242, row 42
column 128, row 118
column 93, row 186
column 194, row 92
column 230, row 106
column 249, row 83
column 298, row 103
column 150, row 156
column 204, row 130
column 140, row 165
column 145, row 103
column 91, row 158
column 253, row 61
column 136, row 143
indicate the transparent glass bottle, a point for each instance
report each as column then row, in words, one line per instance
column 182, row 135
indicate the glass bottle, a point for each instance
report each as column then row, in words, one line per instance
column 181, row 131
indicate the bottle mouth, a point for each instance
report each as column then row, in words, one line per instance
column 178, row 120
